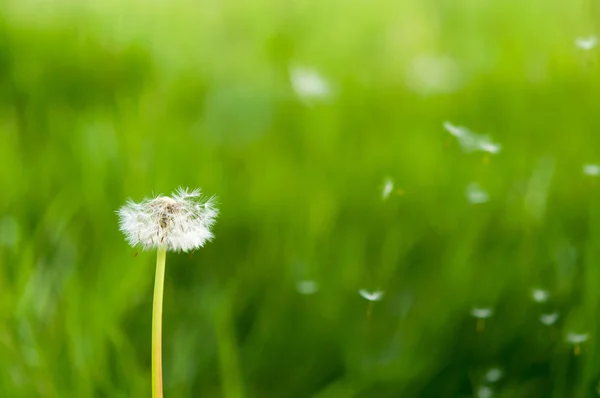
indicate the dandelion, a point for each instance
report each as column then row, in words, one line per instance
column 475, row 194
column 576, row 339
column 591, row 169
column 373, row 296
column 307, row 287
column 388, row 187
column 178, row 223
column 586, row 43
column 540, row 295
column 481, row 314
column 308, row 84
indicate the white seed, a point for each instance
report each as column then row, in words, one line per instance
column 376, row 295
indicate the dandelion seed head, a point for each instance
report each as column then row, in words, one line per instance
column 376, row 295
column 586, row 43
column 591, row 169
column 576, row 338
column 482, row 313
column 549, row 319
column 181, row 222
column 540, row 295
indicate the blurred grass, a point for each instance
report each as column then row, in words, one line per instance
column 102, row 100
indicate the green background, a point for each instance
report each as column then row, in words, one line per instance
column 101, row 101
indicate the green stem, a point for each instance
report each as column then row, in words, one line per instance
column 159, row 282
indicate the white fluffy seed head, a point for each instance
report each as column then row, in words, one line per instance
column 178, row 223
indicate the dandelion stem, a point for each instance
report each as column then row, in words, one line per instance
column 159, row 282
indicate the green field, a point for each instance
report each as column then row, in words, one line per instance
column 295, row 114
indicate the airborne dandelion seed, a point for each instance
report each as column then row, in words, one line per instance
column 540, row 295
column 309, row 84
column 475, row 194
column 576, row 339
column 376, row 295
column 465, row 137
column 481, row 314
column 493, row 375
column 484, row 392
column 591, row 169
column 388, row 187
column 373, row 296
column 471, row 142
column 586, row 43
column 488, row 146
column 549, row 319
